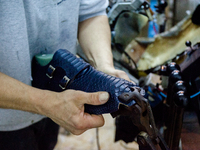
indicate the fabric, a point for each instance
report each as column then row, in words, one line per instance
column 39, row 136
column 30, row 27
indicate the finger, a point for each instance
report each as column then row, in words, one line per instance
column 87, row 121
column 123, row 75
column 93, row 121
column 96, row 98
column 78, row 132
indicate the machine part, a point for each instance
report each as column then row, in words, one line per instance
column 191, row 63
column 153, row 95
column 195, row 16
column 150, row 137
column 180, row 86
column 125, row 5
column 150, row 80
column 171, row 67
column 165, row 72
column 168, row 45
column 173, row 78
column 127, row 27
column 162, row 4
column 150, row 84
column 142, row 117
column 191, row 73
column 164, row 76
column 160, row 15
column 189, row 44
column 125, row 129
column 146, row 143
column 173, row 129
column 177, row 99
column 180, row 95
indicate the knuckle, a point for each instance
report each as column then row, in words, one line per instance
column 93, row 98
column 79, row 126
column 77, row 132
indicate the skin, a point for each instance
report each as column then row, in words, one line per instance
column 67, row 108
column 95, row 40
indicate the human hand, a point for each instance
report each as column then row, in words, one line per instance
column 113, row 72
column 67, row 110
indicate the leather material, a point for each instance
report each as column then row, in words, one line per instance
column 80, row 75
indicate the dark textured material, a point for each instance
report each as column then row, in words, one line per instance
column 195, row 15
column 125, row 129
column 82, row 77
column 39, row 136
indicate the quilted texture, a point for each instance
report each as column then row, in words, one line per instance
column 82, row 77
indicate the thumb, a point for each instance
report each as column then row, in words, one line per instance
column 122, row 74
column 97, row 98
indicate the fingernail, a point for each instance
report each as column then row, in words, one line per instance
column 103, row 97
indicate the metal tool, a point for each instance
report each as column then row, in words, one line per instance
column 160, row 15
column 142, row 117
column 118, row 6
column 179, row 100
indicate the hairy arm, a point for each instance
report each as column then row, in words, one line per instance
column 65, row 108
column 95, row 40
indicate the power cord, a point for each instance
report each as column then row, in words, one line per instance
column 97, row 139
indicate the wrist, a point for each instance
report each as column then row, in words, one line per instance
column 41, row 101
column 102, row 67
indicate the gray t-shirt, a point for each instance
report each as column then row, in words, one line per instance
column 29, row 27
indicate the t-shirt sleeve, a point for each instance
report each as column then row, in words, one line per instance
column 91, row 8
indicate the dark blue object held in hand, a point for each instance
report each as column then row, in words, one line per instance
column 66, row 71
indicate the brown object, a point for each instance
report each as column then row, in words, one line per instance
column 142, row 117
column 169, row 44
column 134, row 50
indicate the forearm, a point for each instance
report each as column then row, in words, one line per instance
column 95, row 40
column 17, row 95
column 65, row 108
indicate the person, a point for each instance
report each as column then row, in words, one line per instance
column 30, row 27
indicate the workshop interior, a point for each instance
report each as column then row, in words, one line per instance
column 157, row 43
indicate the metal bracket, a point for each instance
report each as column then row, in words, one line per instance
column 50, row 71
column 64, row 82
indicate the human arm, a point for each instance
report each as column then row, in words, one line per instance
column 95, row 40
column 65, row 108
